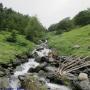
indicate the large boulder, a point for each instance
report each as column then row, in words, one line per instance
column 85, row 85
column 50, row 69
column 81, row 85
column 38, row 68
column 4, row 83
column 42, row 59
column 38, row 59
column 32, row 83
column 54, row 78
column 83, row 76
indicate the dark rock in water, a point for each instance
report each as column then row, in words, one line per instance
column 30, row 56
column 21, row 77
column 42, row 59
column 38, row 59
column 38, row 68
column 31, row 70
column 53, row 78
column 39, row 49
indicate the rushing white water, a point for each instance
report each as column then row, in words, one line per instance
column 56, row 87
column 43, row 52
column 23, row 69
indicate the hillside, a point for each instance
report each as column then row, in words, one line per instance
column 8, row 50
column 75, row 42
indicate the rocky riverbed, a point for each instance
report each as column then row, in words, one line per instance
column 39, row 71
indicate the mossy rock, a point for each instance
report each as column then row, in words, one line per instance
column 32, row 83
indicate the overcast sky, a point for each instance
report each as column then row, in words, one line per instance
column 48, row 11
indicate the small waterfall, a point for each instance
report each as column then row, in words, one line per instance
column 23, row 69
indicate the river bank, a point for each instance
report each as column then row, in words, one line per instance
column 40, row 70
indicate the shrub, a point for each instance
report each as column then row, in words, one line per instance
column 12, row 37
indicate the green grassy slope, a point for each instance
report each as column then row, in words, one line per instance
column 8, row 50
column 64, row 43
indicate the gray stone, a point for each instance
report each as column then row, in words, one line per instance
column 83, row 76
column 4, row 82
column 81, row 85
column 41, row 73
column 85, row 85
column 50, row 69
column 38, row 59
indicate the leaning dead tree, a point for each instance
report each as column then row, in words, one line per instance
column 71, row 65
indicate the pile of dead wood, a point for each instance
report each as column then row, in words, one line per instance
column 73, row 64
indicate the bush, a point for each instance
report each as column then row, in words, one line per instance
column 34, row 30
column 12, row 37
column 82, row 18
column 64, row 25
column 22, row 44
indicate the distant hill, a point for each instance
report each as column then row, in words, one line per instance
column 75, row 42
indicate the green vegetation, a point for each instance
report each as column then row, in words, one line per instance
column 67, row 24
column 82, row 18
column 18, row 33
column 9, row 20
column 64, row 25
column 65, row 42
column 34, row 30
column 23, row 24
column 8, row 50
